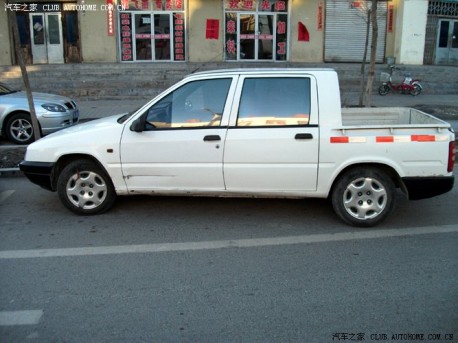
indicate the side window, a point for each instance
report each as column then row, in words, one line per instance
column 274, row 101
column 195, row 104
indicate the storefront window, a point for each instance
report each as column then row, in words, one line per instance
column 256, row 30
column 152, row 30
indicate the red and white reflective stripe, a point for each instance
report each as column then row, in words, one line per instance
column 346, row 139
column 392, row 139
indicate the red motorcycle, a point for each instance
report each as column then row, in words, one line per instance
column 407, row 86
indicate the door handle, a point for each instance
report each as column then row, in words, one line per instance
column 304, row 136
column 212, row 138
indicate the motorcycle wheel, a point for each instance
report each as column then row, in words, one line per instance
column 383, row 89
column 416, row 89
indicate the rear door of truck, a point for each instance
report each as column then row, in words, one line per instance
column 273, row 136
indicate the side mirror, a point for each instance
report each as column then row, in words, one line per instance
column 138, row 125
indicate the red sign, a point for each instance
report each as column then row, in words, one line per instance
column 110, row 18
column 319, row 21
column 390, row 17
column 179, row 44
column 212, row 31
column 126, row 48
column 303, row 33
column 356, row 4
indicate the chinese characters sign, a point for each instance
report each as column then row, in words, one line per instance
column 126, row 37
column 154, row 5
column 320, row 16
column 212, row 31
column 110, row 19
column 253, row 5
column 178, row 25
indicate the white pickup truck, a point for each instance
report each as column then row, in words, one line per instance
column 255, row 133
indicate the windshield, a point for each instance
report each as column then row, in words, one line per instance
column 4, row 89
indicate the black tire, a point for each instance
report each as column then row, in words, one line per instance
column 19, row 129
column 363, row 197
column 383, row 89
column 85, row 188
column 416, row 90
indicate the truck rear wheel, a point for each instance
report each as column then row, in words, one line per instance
column 85, row 188
column 363, row 197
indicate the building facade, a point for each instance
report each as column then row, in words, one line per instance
column 271, row 31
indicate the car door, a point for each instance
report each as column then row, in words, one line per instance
column 181, row 143
column 273, row 136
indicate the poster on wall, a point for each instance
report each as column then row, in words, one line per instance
column 168, row 5
column 253, row 5
column 282, row 37
column 231, row 36
column 320, row 17
column 179, row 37
column 126, row 37
column 212, row 30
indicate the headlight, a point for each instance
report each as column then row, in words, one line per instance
column 53, row 107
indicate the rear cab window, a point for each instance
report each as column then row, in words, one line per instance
column 274, row 101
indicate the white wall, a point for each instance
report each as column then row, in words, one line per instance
column 411, row 31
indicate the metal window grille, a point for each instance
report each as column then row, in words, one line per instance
column 443, row 8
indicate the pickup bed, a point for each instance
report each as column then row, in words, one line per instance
column 256, row 133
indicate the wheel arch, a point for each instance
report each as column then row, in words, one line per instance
column 9, row 115
column 388, row 170
column 66, row 159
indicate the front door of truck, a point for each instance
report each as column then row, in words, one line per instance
column 182, row 143
column 271, row 144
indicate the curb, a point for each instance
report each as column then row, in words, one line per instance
column 10, row 172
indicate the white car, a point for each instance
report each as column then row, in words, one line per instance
column 54, row 112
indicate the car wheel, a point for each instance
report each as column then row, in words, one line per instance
column 85, row 188
column 19, row 129
column 363, row 197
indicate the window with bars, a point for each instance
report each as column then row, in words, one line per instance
column 443, row 8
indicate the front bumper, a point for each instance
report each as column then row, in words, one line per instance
column 51, row 122
column 39, row 173
column 427, row 187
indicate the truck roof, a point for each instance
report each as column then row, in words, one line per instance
column 260, row 71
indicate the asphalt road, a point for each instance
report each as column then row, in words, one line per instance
column 157, row 269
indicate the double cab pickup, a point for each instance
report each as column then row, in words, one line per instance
column 256, row 133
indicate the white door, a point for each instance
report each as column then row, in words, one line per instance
column 47, row 38
column 447, row 42
column 182, row 140
column 271, row 144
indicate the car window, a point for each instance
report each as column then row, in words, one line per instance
column 274, row 101
column 195, row 104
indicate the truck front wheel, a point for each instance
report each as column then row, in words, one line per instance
column 85, row 188
column 363, row 197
